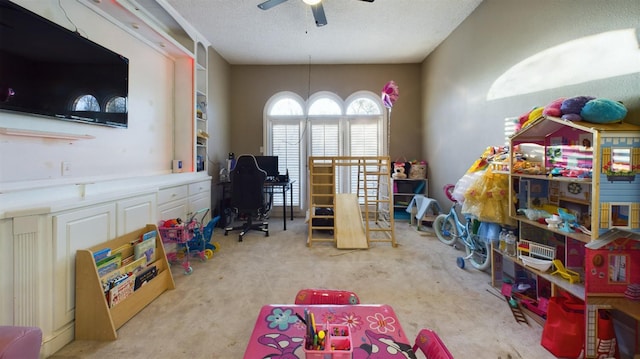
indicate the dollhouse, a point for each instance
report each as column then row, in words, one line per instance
column 587, row 175
column 612, row 265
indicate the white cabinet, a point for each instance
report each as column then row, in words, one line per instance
column 135, row 213
column 184, row 200
column 41, row 231
column 172, row 202
column 75, row 230
column 200, row 198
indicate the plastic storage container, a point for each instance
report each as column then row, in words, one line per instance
column 337, row 343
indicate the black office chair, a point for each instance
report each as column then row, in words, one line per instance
column 247, row 195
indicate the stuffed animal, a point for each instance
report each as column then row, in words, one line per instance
column 529, row 117
column 578, row 108
column 602, row 110
column 592, row 109
column 554, row 108
column 572, row 106
column 399, row 171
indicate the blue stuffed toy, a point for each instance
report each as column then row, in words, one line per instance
column 602, row 110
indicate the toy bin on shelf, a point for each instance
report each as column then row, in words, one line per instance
column 337, row 343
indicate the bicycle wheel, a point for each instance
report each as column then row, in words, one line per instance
column 445, row 229
column 481, row 258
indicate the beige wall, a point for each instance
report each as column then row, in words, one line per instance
column 252, row 86
column 459, row 120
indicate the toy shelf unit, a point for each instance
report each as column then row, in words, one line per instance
column 531, row 271
column 95, row 319
column 572, row 183
column 403, row 192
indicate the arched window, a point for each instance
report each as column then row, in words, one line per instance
column 86, row 103
column 324, row 125
column 117, row 104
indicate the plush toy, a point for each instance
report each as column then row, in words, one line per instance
column 602, row 110
column 553, row 108
column 527, row 118
column 399, row 171
column 572, row 106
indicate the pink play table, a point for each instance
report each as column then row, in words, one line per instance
column 376, row 332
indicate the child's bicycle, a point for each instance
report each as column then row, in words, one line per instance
column 449, row 229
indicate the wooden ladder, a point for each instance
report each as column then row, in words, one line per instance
column 374, row 186
column 321, row 195
column 516, row 310
column 369, row 209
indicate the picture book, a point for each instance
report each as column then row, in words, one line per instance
column 126, row 250
column 101, row 254
column 110, row 279
column 128, row 260
column 108, row 264
column 147, row 247
column 136, row 266
column 145, row 276
column 121, row 291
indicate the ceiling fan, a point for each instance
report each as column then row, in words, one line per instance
column 316, row 8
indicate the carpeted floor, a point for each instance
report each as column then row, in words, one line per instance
column 212, row 312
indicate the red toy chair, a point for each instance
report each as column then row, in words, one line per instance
column 326, row 296
column 431, row 346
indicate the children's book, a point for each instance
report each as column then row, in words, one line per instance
column 126, row 250
column 108, row 264
column 121, row 290
column 145, row 276
column 128, row 260
column 110, row 279
column 101, row 254
column 136, row 266
column 147, row 247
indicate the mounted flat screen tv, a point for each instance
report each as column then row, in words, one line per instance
column 47, row 70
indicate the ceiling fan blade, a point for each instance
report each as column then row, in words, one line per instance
column 318, row 14
column 367, row 0
column 270, row 3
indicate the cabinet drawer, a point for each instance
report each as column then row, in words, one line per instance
column 171, row 194
column 199, row 187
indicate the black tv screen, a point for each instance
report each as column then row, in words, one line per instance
column 48, row 70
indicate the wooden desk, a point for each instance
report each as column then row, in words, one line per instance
column 278, row 333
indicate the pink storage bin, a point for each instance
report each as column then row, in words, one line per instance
column 338, row 344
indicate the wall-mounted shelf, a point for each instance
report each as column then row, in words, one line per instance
column 44, row 134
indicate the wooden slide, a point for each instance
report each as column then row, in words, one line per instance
column 349, row 230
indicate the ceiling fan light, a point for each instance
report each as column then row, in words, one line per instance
column 311, row 2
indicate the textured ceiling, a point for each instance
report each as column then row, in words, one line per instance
column 358, row 32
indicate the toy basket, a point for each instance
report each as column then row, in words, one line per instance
column 418, row 171
column 533, row 249
column 178, row 234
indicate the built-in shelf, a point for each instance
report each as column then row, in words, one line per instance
column 44, row 134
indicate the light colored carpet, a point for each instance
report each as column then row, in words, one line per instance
column 211, row 313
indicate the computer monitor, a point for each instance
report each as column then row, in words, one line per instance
column 268, row 164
